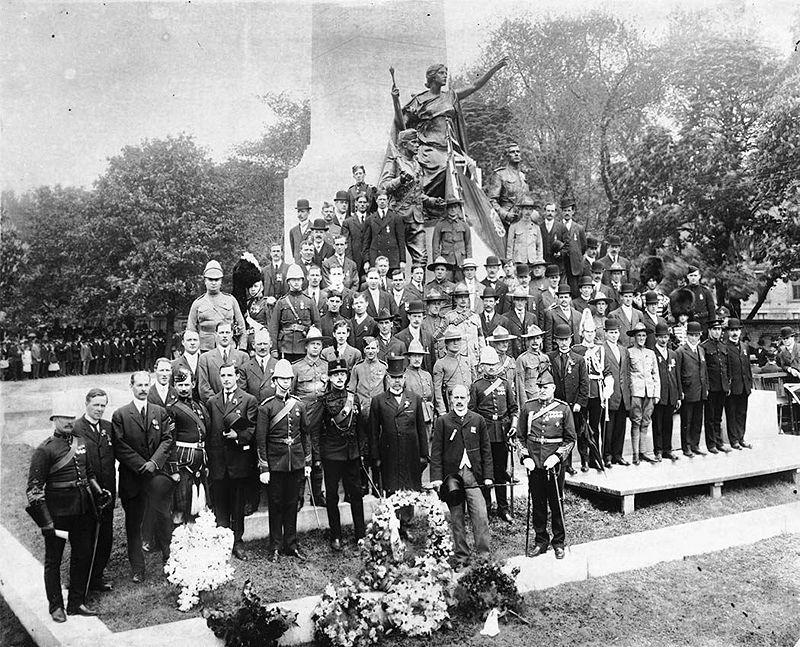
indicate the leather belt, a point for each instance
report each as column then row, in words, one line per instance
column 545, row 441
column 200, row 445
column 67, row 485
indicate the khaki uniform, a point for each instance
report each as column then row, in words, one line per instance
column 506, row 188
column 529, row 366
column 207, row 311
column 448, row 372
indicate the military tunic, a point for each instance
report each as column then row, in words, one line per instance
column 207, row 311
column 366, row 381
column 452, row 239
column 188, row 454
column 419, row 381
column 293, row 315
column 506, row 188
column 529, row 366
column 448, row 372
column 469, row 325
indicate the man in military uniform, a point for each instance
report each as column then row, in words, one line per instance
column 340, row 445
column 524, row 243
column 546, row 436
column 440, row 283
column 467, row 323
column 432, row 321
column 705, row 309
column 492, row 397
column 284, row 459
column 310, row 381
column 96, row 436
column 452, row 238
column 450, row 370
column 460, row 448
column 530, row 364
column 719, row 385
column 60, row 491
column 501, row 340
column 215, row 306
column 508, row 186
column 293, row 315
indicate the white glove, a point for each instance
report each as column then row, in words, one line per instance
column 307, row 471
column 264, row 478
column 435, row 485
column 551, row 461
column 528, row 464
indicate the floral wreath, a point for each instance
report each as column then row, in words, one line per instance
column 418, row 588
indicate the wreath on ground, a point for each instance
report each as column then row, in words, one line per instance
column 418, row 588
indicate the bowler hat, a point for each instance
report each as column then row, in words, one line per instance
column 627, row 288
column 585, row 280
column 337, row 366
column 562, row 331
column 235, row 420
column 493, row 261
column 612, row 324
column 694, row 328
column 396, row 365
column 319, row 224
column 637, row 328
column 614, row 240
column 303, row 204
column 539, row 262
column 551, row 271
column 416, row 307
column 592, row 242
column 734, row 324
column 661, row 329
column 567, row 202
column 563, row 289
column 489, row 293
column 786, row 332
column 523, row 269
column 597, row 266
column 651, row 298
column 342, row 195
column 213, row 270
column 384, row 315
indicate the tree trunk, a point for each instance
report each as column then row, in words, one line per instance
column 170, row 332
column 762, row 296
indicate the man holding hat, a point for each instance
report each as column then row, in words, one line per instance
column 705, row 308
column 284, row 458
column 562, row 314
column 574, row 245
column 460, row 450
column 524, row 240
column 668, row 400
column 341, row 445
column 530, row 364
column 450, row 370
column 401, row 178
column 571, row 378
column 208, row 382
column 398, row 442
column 546, row 436
column 230, row 449
column 719, row 385
column 492, row 397
column 215, row 306
column 740, row 374
column 508, row 186
column 626, row 314
column 493, row 280
column 693, row 381
column 616, row 394
column 440, row 283
column 452, row 238
column 310, row 382
column 293, row 315
column 63, row 495
column 645, row 390
column 302, row 230
column 519, row 318
column 553, row 234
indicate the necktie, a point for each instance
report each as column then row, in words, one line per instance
column 563, row 364
column 263, row 366
column 143, row 412
column 225, row 356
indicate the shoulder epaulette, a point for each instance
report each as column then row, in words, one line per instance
column 560, row 402
column 267, row 399
column 382, row 362
column 297, row 361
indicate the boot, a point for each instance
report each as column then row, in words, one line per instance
column 635, row 458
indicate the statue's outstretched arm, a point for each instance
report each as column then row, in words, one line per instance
column 465, row 92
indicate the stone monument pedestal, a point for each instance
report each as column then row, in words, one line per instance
column 352, row 48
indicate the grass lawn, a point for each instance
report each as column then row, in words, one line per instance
column 12, row 633
column 739, row 597
column 587, row 519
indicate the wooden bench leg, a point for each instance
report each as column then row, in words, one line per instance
column 715, row 490
column 627, row 503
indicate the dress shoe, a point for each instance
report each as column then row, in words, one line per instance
column 647, row 458
column 336, row 544
column 296, row 554
column 699, row 451
column 58, row 615
column 688, row 453
column 238, row 552
column 746, row 445
column 584, row 468
column 607, row 463
column 635, row 459
column 559, row 551
column 713, row 450
column 621, row 461
column 736, row 446
column 102, row 587
column 538, row 549
column 671, row 456
column 273, row 556
column 81, row 610
column 137, row 578
column 657, row 458
column 503, row 515
column 723, row 448
column 571, row 471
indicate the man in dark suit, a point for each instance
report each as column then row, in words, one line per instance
column 613, row 247
column 519, row 319
column 230, row 446
column 741, row 376
column 384, row 235
column 96, row 434
column 668, row 400
column 322, row 249
column 693, row 381
column 259, row 369
column 626, row 314
column 377, row 299
column 318, row 296
column 571, row 379
column 190, row 358
column 564, row 314
column 460, row 447
column 353, row 231
column 302, row 230
column 705, row 308
column 616, row 394
column 574, row 246
column 651, row 318
column 210, row 361
column 414, row 330
column 490, row 318
column 275, row 274
column 142, row 442
column 553, row 235
column 339, row 259
column 494, row 281
column 161, row 391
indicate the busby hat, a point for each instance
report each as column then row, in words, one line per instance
column 652, row 268
column 681, row 302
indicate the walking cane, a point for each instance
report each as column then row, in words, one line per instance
column 369, row 478
column 94, row 555
column 314, row 505
column 528, row 517
column 552, row 473
column 512, row 478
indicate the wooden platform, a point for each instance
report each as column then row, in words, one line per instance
column 770, row 455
